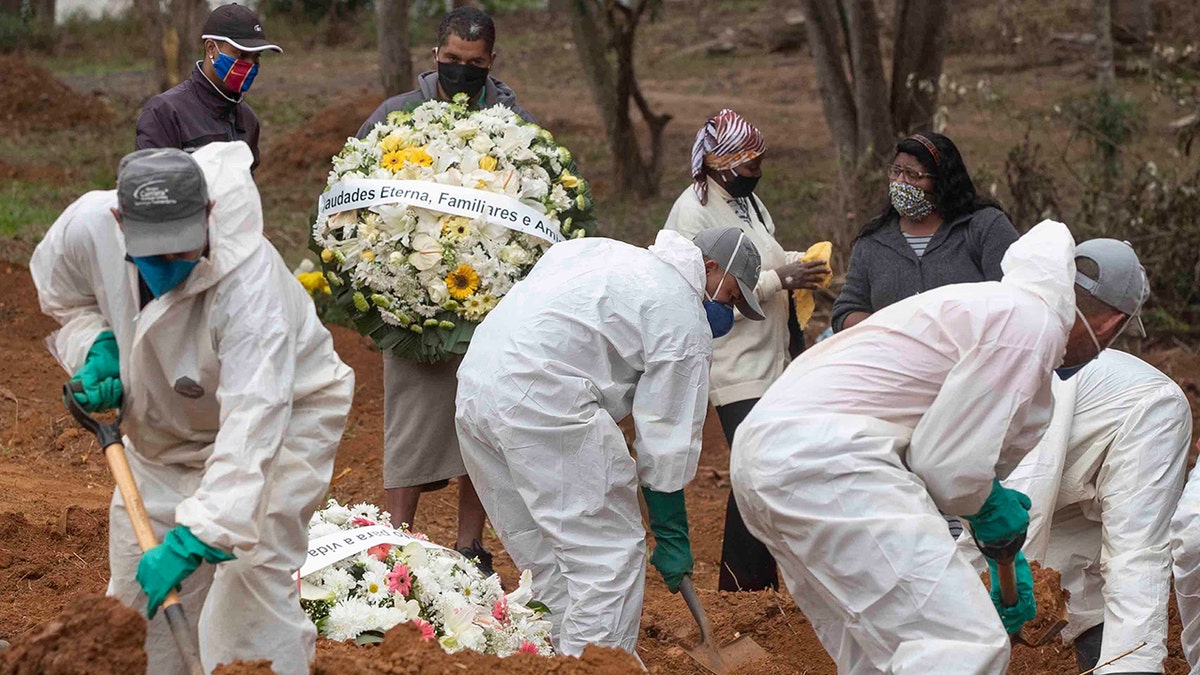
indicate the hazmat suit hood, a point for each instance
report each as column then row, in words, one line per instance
column 235, row 224
column 1043, row 263
column 675, row 250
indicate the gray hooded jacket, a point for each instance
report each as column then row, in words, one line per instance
column 496, row 93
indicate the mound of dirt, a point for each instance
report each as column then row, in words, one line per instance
column 306, row 151
column 94, row 635
column 39, row 102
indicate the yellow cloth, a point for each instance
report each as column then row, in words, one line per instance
column 805, row 303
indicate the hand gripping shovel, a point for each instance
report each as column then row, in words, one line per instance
column 109, row 437
column 720, row 660
column 1007, row 573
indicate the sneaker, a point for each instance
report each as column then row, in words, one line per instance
column 479, row 555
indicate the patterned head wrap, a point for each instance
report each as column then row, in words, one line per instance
column 723, row 143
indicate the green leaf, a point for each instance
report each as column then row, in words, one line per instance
column 371, row 637
column 539, row 606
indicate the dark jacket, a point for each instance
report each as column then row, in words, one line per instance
column 884, row 269
column 193, row 114
column 496, row 93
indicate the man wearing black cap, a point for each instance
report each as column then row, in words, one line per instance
column 175, row 308
column 209, row 106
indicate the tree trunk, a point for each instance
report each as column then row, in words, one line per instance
column 187, row 17
column 43, row 11
column 824, row 28
column 154, row 27
column 11, row 7
column 1133, row 22
column 1106, row 74
column 395, row 59
column 875, row 133
column 917, row 62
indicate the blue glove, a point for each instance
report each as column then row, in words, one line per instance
column 1026, row 608
column 165, row 566
column 100, row 375
column 672, row 555
column 1003, row 518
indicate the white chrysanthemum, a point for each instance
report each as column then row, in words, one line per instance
column 365, row 510
column 337, row 580
column 347, row 619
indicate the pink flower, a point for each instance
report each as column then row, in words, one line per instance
column 427, row 629
column 528, row 648
column 399, row 580
column 359, row 521
column 380, row 552
column 418, row 535
column 500, row 610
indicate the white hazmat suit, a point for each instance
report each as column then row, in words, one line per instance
column 1185, row 550
column 843, row 466
column 234, row 405
column 1104, row 482
column 598, row 330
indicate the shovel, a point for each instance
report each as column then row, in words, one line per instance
column 1008, row 595
column 109, row 437
column 714, row 659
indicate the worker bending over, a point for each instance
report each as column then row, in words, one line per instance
column 843, row 466
column 174, row 305
column 1104, row 482
column 598, row 331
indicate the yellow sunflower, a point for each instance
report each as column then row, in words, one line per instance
column 462, row 282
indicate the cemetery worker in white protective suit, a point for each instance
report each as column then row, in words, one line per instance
column 172, row 301
column 843, row 466
column 1104, row 482
column 598, row 331
column 1185, row 551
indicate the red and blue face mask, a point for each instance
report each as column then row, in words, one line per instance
column 237, row 74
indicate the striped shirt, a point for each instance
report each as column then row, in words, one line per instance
column 918, row 244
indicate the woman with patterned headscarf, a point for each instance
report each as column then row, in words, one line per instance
column 726, row 165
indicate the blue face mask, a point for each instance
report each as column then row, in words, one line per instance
column 720, row 317
column 160, row 274
column 1067, row 372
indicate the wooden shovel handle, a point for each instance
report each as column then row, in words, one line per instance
column 118, row 465
column 1007, row 572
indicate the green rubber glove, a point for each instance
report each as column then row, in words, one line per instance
column 100, row 375
column 672, row 555
column 165, row 566
column 1003, row 517
column 1026, row 608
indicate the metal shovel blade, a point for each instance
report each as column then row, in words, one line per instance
column 714, row 659
column 1046, row 634
column 1008, row 593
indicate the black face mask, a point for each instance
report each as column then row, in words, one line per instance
column 740, row 187
column 461, row 78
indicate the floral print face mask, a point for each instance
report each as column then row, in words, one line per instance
column 910, row 201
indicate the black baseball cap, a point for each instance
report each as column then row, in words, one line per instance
column 238, row 26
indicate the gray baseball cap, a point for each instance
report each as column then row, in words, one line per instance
column 163, row 201
column 1121, row 282
column 736, row 254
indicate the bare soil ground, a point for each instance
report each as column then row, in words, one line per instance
column 54, row 486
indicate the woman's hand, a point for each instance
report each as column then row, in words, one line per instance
column 806, row 275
